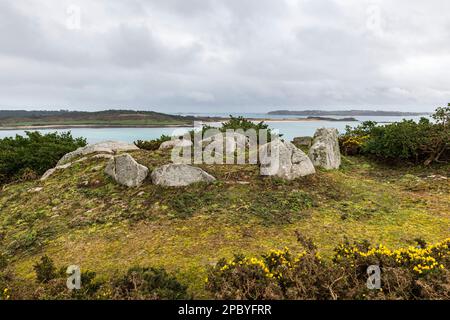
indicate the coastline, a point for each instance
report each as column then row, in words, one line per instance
column 100, row 126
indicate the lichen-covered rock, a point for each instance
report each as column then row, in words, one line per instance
column 110, row 147
column 284, row 160
column 126, row 171
column 175, row 143
column 324, row 151
column 179, row 175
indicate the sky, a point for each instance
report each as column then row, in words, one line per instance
column 224, row 55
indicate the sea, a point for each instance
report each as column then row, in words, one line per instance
column 289, row 129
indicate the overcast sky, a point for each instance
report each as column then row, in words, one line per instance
column 224, row 55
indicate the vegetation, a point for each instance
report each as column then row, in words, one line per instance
column 30, row 156
column 82, row 217
column 241, row 123
column 152, row 145
column 149, row 283
column 155, row 242
column 137, row 283
column 15, row 118
column 415, row 272
column 406, row 273
column 234, row 123
column 424, row 141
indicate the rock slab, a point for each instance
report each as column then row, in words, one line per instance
column 179, row 175
column 180, row 143
column 109, row 147
column 324, row 151
column 126, row 171
column 284, row 160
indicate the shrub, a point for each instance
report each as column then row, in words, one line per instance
column 45, row 270
column 351, row 145
column 422, row 141
column 409, row 273
column 152, row 144
column 30, row 156
column 236, row 123
column 149, row 283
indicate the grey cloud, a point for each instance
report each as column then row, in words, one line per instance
column 234, row 55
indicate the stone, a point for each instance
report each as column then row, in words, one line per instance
column 110, row 147
column 126, row 171
column 302, row 142
column 179, row 175
column 175, row 143
column 47, row 174
column 37, row 189
column 324, row 151
column 284, row 160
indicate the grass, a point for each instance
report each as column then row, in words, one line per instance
column 82, row 217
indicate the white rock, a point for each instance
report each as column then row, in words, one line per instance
column 175, row 143
column 37, row 189
column 126, row 171
column 178, row 175
column 48, row 173
column 324, row 151
column 110, row 147
column 284, row 160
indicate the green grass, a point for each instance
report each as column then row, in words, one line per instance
column 82, row 217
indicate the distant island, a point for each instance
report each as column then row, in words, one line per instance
column 350, row 113
column 65, row 119
column 23, row 119
column 347, row 119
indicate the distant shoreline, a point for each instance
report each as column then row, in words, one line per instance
column 347, row 113
column 101, row 126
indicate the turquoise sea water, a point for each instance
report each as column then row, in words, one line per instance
column 289, row 129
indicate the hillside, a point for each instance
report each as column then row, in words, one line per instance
column 345, row 113
column 18, row 118
column 80, row 216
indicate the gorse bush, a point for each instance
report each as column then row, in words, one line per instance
column 149, row 284
column 51, row 283
column 416, row 272
column 410, row 273
column 423, row 141
column 27, row 157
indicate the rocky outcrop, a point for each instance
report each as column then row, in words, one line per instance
column 108, row 147
column 324, row 151
column 284, row 160
column 179, row 175
column 181, row 143
column 126, row 171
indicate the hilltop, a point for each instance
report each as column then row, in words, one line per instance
column 64, row 118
